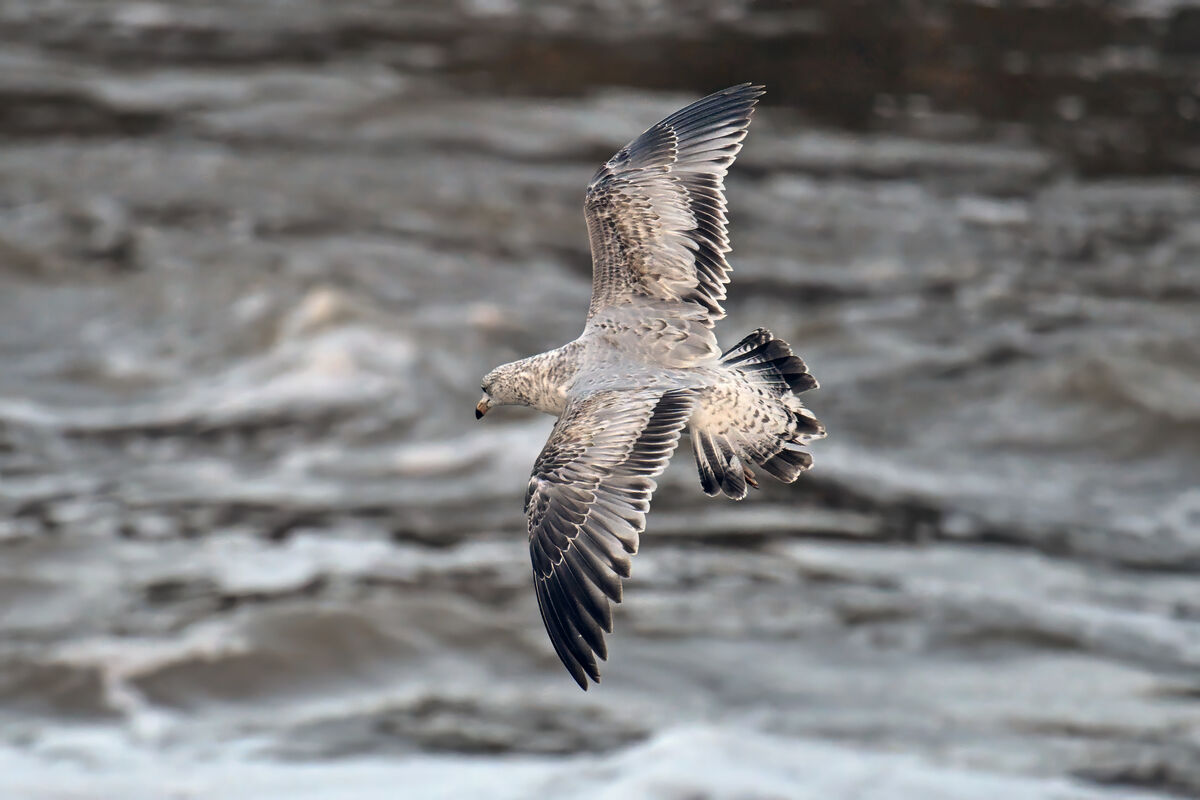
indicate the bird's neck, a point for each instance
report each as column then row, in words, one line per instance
column 546, row 377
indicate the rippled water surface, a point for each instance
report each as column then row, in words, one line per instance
column 254, row 261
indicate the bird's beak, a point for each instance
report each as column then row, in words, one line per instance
column 482, row 406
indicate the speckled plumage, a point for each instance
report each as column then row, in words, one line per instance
column 645, row 369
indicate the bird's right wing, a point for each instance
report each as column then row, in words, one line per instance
column 586, row 506
column 656, row 211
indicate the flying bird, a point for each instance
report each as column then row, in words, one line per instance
column 645, row 370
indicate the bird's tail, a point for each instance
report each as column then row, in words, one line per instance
column 767, row 423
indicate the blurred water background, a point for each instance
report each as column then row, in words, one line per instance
column 255, row 257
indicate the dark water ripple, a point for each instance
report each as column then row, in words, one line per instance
column 254, row 259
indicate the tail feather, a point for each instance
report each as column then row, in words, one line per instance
column 721, row 470
column 771, row 360
column 781, row 425
column 709, row 481
column 708, row 462
column 788, row 463
column 807, row 425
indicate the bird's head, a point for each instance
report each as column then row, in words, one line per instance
column 499, row 389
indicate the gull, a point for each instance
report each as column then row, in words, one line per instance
column 647, row 369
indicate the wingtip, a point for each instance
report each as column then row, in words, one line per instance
column 755, row 90
column 585, row 685
column 589, row 673
column 744, row 95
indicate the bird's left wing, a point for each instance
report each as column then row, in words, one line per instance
column 586, row 506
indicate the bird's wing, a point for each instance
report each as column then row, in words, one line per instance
column 656, row 211
column 586, row 505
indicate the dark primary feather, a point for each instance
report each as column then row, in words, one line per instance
column 586, row 506
column 656, row 210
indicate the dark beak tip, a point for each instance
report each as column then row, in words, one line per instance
column 478, row 414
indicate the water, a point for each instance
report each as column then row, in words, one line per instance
column 253, row 265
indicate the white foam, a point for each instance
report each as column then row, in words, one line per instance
column 718, row 763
